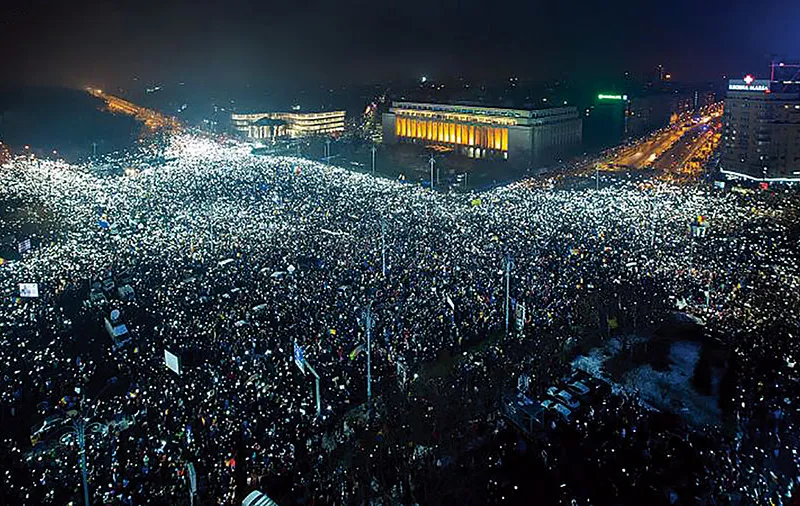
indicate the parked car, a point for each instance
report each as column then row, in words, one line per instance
column 578, row 388
column 563, row 397
column 556, row 407
column 567, row 399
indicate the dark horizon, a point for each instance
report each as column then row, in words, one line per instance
column 280, row 45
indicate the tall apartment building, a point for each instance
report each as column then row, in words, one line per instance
column 761, row 130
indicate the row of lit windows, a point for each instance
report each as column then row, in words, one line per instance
column 487, row 112
column 321, row 126
column 415, row 108
column 309, row 128
column 452, row 133
column 309, row 116
column 264, row 132
column 456, row 117
column 325, row 121
column 290, row 116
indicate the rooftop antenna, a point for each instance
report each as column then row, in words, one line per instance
column 784, row 73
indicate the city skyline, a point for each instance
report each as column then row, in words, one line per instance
column 275, row 45
column 454, row 252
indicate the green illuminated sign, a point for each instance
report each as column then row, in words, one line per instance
column 603, row 96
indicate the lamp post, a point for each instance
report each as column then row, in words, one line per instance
column 316, row 383
column 597, row 177
column 78, row 431
column 369, row 354
column 368, row 323
column 373, row 159
column 653, row 222
column 432, row 162
column 508, row 288
column 191, row 475
column 80, row 424
column 383, row 246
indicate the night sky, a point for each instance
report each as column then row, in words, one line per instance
column 267, row 43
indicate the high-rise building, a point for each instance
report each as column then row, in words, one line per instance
column 274, row 125
column 761, row 130
column 524, row 137
column 605, row 122
column 656, row 110
column 702, row 98
column 615, row 117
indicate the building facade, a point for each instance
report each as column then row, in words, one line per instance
column 292, row 125
column 761, row 130
column 703, row 98
column 523, row 137
column 647, row 113
column 605, row 122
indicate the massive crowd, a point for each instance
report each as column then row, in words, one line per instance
column 234, row 258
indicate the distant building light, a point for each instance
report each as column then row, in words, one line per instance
column 749, row 83
column 604, row 96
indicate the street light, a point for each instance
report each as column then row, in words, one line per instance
column 368, row 324
column 597, row 177
column 508, row 288
column 383, row 246
column 79, row 426
column 432, row 162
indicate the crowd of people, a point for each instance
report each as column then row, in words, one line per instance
column 236, row 260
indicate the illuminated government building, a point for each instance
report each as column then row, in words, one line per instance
column 521, row 136
column 292, row 125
